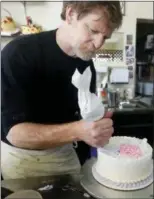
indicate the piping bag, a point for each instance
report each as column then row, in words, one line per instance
column 91, row 107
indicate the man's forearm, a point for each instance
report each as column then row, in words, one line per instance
column 38, row 136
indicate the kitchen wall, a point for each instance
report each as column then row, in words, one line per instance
column 47, row 14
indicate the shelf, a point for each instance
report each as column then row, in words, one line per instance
column 9, row 37
column 145, row 80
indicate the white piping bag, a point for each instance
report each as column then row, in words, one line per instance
column 90, row 105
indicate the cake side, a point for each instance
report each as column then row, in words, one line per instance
column 31, row 29
column 125, row 167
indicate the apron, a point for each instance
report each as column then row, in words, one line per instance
column 21, row 163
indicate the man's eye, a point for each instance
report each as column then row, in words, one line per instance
column 93, row 31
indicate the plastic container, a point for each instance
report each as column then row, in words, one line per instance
column 93, row 152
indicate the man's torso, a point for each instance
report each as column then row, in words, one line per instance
column 50, row 96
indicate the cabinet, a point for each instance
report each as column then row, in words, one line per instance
column 137, row 124
column 145, row 58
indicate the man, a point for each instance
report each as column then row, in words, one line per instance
column 40, row 113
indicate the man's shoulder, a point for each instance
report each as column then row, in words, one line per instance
column 28, row 43
column 35, row 38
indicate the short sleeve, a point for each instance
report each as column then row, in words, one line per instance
column 17, row 68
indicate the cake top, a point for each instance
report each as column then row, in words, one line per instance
column 130, row 150
column 127, row 147
column 7, row 23
column 7, row 19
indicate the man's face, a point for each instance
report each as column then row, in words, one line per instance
column 88, row 34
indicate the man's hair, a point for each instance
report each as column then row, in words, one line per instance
column 111, row 8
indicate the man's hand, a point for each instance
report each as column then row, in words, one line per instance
column 98, row 133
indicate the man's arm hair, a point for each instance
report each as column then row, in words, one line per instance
column 39, row 136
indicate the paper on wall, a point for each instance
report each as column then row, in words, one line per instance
column 90, row 105
column 119, row 75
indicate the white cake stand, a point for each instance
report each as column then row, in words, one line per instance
column 122, row 186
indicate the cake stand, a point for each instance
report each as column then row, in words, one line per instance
column 99, row 191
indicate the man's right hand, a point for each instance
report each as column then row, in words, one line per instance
column 98, row 133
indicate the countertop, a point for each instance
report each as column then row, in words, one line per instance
column 131, row 110
column 63, row 186
column 36, row 182
column 91, row 189
column 140, row 108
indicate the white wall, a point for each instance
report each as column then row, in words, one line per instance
column 140, row 9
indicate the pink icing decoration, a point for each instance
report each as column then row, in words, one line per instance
column 130, row 150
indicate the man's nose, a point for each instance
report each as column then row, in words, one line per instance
column 98, row 42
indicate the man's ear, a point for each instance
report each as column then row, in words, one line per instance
column 71, row 15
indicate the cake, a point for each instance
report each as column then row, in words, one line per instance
column 8, row 24
column 124, row 160
column 30, row 28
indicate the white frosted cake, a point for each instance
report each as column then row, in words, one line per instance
column 125, row 160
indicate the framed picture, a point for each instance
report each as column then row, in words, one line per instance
column 123, row 7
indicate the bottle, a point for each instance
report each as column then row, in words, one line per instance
column 102, row 94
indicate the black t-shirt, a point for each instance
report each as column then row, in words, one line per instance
column 36, row 82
